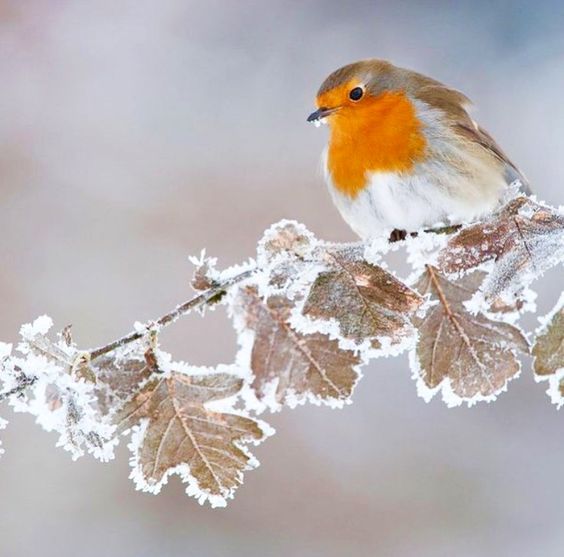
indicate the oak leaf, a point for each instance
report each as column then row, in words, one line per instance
column 470, row 356
column 180, row 434
column 300, row 366
column 523, row 240
column 365, row 300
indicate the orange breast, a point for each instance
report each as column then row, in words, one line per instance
column 380, row 134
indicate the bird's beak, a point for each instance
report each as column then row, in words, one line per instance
column 321, row 113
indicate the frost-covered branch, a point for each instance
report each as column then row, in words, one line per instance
column 210, row 295
column 309, row 315
column 20, row 388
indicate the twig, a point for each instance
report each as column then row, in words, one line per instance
column 25, row 383
column 188, row 306
column 400, row 235
column 451, row 229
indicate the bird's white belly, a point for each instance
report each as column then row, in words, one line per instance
column 411, row 203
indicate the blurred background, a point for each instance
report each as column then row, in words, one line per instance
column 133, row 134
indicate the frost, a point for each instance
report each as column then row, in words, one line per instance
column 205, row 275
column 5, row 350
column 40, row 326
column 290, row 367
column 62, row 392
column 470, row 357
column 521, row 243
column 365, row 301
column 309, row 315
column 177, row 429
column 423, row 250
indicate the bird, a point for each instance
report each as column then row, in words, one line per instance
column 405, row 155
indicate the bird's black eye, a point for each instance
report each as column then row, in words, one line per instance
column 356, row 94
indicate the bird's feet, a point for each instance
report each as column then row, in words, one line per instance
column 399, row 235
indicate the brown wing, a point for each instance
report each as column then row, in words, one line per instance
column 479, row 135
column 454, row 104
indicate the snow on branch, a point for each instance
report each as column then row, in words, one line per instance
column 309, row 315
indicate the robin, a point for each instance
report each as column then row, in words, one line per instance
column 405, row 154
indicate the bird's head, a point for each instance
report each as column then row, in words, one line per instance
column 354, row 91
column 371, row 107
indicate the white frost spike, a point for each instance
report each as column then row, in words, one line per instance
column 40, row 326
column 423, row 250
column 5, row 350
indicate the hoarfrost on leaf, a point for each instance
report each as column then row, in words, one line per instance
column 176, row 431
column 205, row 275
column 285, row 239
column 290, row 367
column 470, row 357
column 62, row 392
column 120, row 374
column 521, row 242
column 366, row 301
column 308, row 315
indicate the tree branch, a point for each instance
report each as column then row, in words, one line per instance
column 207, row 296
column 198, row 301
column 25, row 383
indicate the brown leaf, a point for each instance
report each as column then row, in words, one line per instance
column 285, row 237
column 120, row 373
column 181, row 431
column 202, row 277
column 476, row 354
column 366, row 301
column 66, row 335
column 524, row 239
column 68, row 390
column 305, row 365
column 549, row 345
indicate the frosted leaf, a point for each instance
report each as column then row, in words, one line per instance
column 521, row 242
column 290, row 367
column 548, row 352
column 468, row 356
column 286, row 238
column 176, row 431
column 286, row 257
column 205, row 274
column 511, row 305
column 507, row 307
column 121, row 372
column 63, row 394
column 549, row 346
column 366, row 301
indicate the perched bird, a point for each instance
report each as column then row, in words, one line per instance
column 405, row 154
